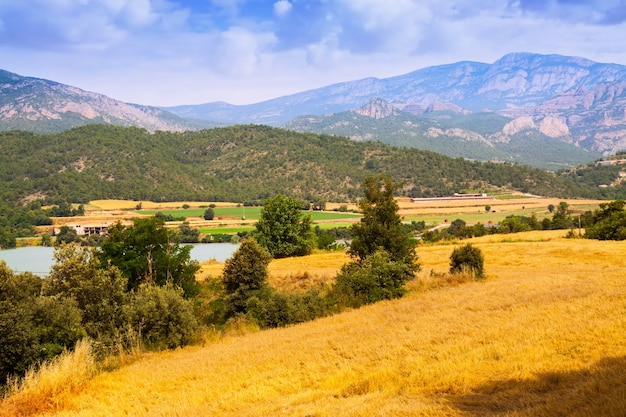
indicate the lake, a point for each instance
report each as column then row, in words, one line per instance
column 39, row 260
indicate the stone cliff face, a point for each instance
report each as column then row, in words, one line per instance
column 376, row 109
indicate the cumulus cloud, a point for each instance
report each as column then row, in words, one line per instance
column 74, row 23
column 282, row 8
column 237, row 52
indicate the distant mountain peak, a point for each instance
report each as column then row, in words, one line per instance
column 377, row 108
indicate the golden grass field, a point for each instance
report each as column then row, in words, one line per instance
column 542, row 335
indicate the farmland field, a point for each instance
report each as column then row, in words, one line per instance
column 542, row 335
column 250, row 213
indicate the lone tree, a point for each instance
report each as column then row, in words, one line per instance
column 381, row 226
column 283, row 230
column 245, row 275
column 383, row 252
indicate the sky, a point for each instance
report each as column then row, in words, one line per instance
column 175, row 52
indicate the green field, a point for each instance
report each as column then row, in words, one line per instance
column 250, row 213
column 225, row 230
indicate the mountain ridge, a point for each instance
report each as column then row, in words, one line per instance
column 44, row 106
column 587, row 97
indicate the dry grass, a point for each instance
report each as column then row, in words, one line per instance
column 543, row 335
column 50, row 386
column 290, row 274
column 539, row 205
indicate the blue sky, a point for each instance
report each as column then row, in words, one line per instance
column 170, row 52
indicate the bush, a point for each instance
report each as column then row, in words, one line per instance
column 163, row 317
column 274, row 309
column 209, row 214
column 467, row 259
column 376, row 278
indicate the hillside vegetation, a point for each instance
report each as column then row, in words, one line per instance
column 542, row 335
column 476, row 136
column 243, row 163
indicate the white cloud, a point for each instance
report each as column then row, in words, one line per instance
column 238, row 52
column 282, row 8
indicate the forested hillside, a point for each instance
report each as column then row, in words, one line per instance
column 241, row 163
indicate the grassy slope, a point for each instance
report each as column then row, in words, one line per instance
column 541, row 336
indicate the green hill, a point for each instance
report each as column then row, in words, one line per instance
column 239, row 163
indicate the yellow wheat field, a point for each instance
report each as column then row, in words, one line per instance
column 543, row 335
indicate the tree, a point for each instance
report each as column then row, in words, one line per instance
column 188, row 235
column 66, row 235
column 283, row 229
column 458, row 228
column 245, row 275
column 147, row 252
column 32, row 328
column 381, row 226
column 383, row 251
column 209, row 214
column 467, row 259
column 609, row 222
column 100, row 293
column 487, row 208
column 562, row 219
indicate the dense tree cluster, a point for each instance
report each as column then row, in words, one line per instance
column 40, row 318
column 561, row 219
column 608, row 222
column 148, row 253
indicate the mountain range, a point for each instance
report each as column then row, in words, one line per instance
column 43, row 106
column 570, row 99
column 549, row 111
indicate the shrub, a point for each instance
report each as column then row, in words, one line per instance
column 163, row 317
column 209, row 214
column 376, row 278
column 275, row 309
column 467, row 259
